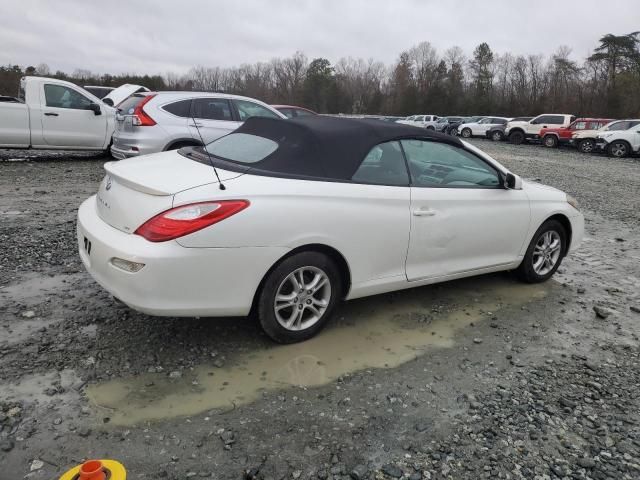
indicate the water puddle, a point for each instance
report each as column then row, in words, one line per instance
column 378, row 332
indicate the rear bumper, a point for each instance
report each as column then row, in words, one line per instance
column 121, row 154
column 175, row 281
column 142, row 141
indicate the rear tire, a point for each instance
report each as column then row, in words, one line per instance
column 587, row 145
column 516, row 138
column 466, row 133
column 299, row 296
column 550, row 141
column 497, row 136
column 545, row 253
column 453, row 131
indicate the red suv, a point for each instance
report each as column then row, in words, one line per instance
column 552, row 137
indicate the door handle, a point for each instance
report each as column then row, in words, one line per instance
column 424, row 212
column 51, row 114
column 196, row 125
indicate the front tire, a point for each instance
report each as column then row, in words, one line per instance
column 299, row 296
column 550, row 141
column 618, row 149
column 466, row 133
column 545, row 253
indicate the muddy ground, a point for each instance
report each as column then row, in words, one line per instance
column 479, row 378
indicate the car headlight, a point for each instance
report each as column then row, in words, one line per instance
column 573, row 202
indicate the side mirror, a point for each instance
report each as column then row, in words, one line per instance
column 512, row 182
column 96, row 108
column 107, row 101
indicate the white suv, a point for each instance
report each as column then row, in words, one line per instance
column 518, row 132
column 157, row 121
column 424, row 121
column 621, row 143
column 480, row 128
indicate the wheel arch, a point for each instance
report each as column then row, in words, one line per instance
column 191, row 141
column 621, row 140
column 566, row 223
column 331, row 252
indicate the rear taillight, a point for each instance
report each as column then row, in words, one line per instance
column 140, row 117
column 187, row 219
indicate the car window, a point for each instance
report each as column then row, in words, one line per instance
column 633, row 124
column 128, row 105
column 247, row 109
column 501, row 121
column 623, row 125
column 242, row 147
column 434, row 164
column 181, row 108
column 303, row 113
column 211, row 109
column 555, row 119
column 64, row 97
column 579, row 126
column 288, row 112
column 383, row 165
column 485, row 121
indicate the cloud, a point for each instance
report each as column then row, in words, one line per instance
column 120, row 36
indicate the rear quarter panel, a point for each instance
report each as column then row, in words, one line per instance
column 368, row 224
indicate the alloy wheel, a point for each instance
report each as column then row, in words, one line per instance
column 547, row 252
column 496, row 136
column 586, row 146
column 302, row 298
column 618, row 149
column 466, row 133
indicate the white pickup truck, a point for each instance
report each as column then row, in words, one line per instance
column 54, row 114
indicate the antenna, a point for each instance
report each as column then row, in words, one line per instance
column 195, row 124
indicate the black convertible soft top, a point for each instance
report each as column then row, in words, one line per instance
column 325, row 147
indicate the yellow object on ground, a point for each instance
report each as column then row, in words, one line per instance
column 114, row 469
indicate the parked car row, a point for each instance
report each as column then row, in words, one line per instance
column 618, row 138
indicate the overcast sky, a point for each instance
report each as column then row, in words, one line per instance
column 157, row 36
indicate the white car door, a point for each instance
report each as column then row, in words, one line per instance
column 211, row 118
column 462, row 219
column 67, row 120
column 481, row 127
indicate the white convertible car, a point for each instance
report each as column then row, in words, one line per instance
column 285, row 218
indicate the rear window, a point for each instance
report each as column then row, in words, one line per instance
column 242, row 148
column 127, row 106
column 181, row 108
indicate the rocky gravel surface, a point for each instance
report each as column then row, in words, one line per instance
column 530, row 384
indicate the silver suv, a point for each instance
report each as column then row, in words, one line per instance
column 150, row 122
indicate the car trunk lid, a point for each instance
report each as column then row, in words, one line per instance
column 136, row 189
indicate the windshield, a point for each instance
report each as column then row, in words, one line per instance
column 242, row 148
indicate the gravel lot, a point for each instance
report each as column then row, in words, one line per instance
column 480, row 378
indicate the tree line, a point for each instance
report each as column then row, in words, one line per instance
column 422, row 80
